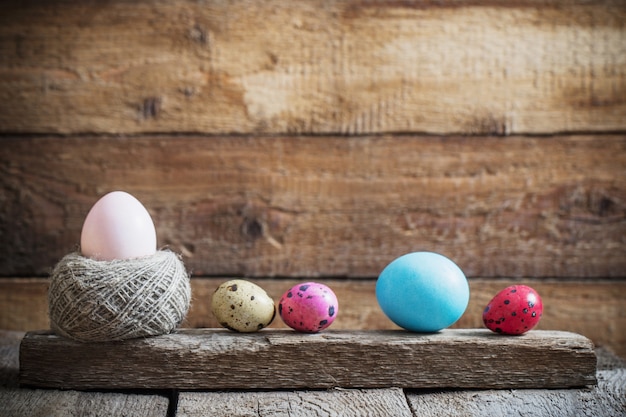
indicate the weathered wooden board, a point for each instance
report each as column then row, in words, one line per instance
column 9, row 357
column 21, row 402
column 606, row 399
column 329, row 206
column 595, row 309
column 529, row 66
column 24, row 304
column 36, row 402
column 282, row 359
column 343, row 402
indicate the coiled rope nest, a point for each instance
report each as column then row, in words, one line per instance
column 97, row 301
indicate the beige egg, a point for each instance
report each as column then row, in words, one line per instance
column 242, row 306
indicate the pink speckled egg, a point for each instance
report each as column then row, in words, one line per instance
column 308, row 307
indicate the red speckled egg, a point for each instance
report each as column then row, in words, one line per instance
column 514, row 310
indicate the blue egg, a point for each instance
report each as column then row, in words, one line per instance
column 422, row 292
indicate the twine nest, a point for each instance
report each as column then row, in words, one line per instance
column 97, row 301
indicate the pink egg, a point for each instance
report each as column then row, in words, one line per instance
column 308, row 307
column 118, row 226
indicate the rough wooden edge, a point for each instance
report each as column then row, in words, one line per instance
column 281, row 359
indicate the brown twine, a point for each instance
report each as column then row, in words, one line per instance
column 95, row 301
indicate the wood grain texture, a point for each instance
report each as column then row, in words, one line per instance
column 20, row 402
column 329, row 206
column 603, row 400
column 218, row 359
column 530, row 66
column 31, row 402
column 343, row 402
column 24, row 304
column 606, row 399
column 595, row 309
column 9, row 358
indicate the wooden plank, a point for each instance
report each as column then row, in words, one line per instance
column 24, row 304
column 9, row 358
column 608, row 360
column 15, row 402
column 595, row 309
column 606, row 399
column 282, row 359
column 29, row 402
column 329, row 206
column 538, row 66
column 371, row 402
column 20, row 402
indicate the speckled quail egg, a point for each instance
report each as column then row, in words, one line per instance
column 242, row 306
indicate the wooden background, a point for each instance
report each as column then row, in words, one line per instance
column 293, row 140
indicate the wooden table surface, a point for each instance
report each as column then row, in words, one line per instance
column 608, row 398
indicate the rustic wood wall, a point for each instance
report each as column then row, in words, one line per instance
column 290, row 140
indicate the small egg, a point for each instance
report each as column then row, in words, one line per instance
column 422, row 292
column 118, row 226
column 513, row 311
column 242, row 306
column 308, row 307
